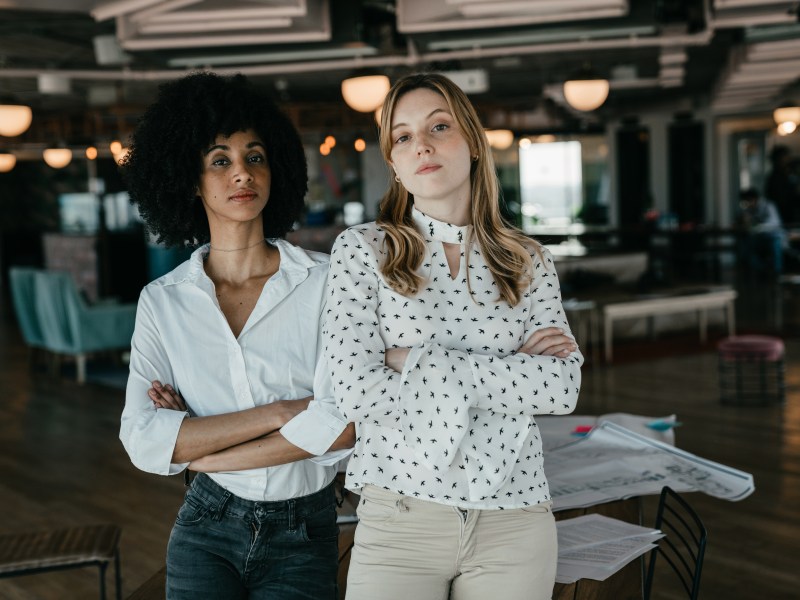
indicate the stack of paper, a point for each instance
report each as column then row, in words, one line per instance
column 595, row 546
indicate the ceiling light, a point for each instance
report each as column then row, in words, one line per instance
column 91, row 153
column 586, row 94
column 7, row 162
column 786, row 113
column 501, row 139
column 360, row 145
column 786, row 128
column 365, row 93
column 14, row 119
column 58, row 158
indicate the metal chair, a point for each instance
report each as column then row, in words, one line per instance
column 684, row 546
column 70, row 548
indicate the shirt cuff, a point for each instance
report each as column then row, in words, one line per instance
column 331, row 458
column 168, row 423
column 315, row 429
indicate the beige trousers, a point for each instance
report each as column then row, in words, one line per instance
column 406, row 548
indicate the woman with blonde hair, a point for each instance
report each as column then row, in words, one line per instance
column 445, row 336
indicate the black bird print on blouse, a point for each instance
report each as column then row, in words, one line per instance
column 457, row 425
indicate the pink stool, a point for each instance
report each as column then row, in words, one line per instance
column 751, row 369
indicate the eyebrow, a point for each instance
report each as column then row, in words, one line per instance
column 433, row 112
column 226, row 148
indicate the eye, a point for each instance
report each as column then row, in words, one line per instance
column 440, row 127
column 400, row 139
column 220, row 161
column 256, row 158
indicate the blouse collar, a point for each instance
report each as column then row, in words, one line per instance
column 440, row 231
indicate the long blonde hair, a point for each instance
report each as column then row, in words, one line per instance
column 504, row 248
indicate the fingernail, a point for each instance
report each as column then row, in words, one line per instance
column 157, row 385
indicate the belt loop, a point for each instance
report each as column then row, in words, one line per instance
column 219, row 510
column 292, row 515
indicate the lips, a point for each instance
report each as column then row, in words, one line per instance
column 244, row 196
column 429, row 168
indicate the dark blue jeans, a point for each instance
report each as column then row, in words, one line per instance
column 223, row 547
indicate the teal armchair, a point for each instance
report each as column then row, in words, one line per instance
column 22, row 294
column 58, row 319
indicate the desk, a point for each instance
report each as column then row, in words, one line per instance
column 625, row 584
column 650, row 307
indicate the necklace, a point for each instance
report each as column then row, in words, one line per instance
column 236, row 249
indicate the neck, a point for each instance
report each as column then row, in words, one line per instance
column 241, row 263
column 253, row 245
column 455, row 212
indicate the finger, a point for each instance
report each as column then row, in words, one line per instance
column 547, row 343
column 538, row 336
column 176, row 397
column 561, row 349
column 164, row 399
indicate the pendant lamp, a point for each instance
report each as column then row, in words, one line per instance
column 586, row 94
column 7, row 162
column 57, row 158
column 365, row 93
column 14, row 119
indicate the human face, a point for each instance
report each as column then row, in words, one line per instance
column 430, row 155
column 235, row 179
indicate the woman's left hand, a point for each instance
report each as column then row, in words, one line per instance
column 395, row 358
column 549, row 341
column 164, row 396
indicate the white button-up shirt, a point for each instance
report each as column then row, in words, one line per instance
column 182, row 338
column 457, row 425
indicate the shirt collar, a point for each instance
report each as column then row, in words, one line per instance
column 295, row 264
column 433, row 230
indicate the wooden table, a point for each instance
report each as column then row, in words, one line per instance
column 699, row 302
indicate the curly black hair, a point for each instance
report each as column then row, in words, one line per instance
column 163, row 166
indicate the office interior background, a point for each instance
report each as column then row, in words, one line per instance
column 694, row 97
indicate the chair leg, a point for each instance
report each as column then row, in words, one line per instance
column 102, row 566
column 118, row 575
column 80, row 367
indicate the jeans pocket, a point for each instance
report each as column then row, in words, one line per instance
column 320, row 526
column 377, row 508
column 538, row 509
column 192, row 512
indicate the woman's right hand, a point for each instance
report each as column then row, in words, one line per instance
column 549, row 341
column 164, row 396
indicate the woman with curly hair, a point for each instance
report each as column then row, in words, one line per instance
column 446, row 336
column 224, row 354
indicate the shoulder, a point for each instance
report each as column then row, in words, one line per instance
column 367, row 237
column 307, row 258
column 186, row 271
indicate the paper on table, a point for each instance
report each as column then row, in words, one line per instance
column 612, row 463
column 569, row 572
column 590, row 530
column 595, row 546
column 557, row 430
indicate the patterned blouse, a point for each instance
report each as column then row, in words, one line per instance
column 457, row 425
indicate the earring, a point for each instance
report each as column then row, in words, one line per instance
column 397, row 178
column 475, row 158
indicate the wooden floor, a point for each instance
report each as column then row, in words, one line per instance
column 61, row 464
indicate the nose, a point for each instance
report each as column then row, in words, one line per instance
column 242, row 172
column 423, row 145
